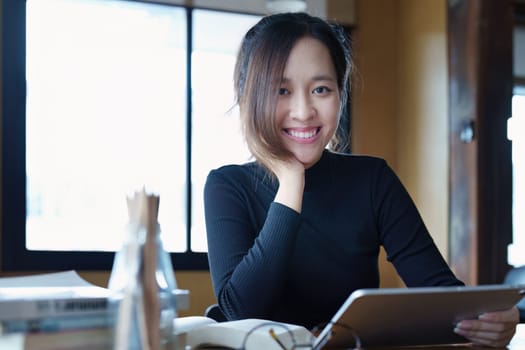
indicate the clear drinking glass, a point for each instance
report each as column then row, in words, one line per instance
column 130, row 280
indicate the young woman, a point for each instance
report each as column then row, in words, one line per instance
column 292, row 234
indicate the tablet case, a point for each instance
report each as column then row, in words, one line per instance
column 412, row 316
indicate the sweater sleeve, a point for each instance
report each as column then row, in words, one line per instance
column 404, row 236
column 247, row 267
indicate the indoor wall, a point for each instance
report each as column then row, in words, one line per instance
column 400, row 103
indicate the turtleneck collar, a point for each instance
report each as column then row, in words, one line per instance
column 316, row 176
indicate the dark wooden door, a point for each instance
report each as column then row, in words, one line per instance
column 480, row 93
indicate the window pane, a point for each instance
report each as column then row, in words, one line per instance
column 105, row 115
column 216, row 136
column 517, row 135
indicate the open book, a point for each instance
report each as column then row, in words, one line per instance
column 201, row 332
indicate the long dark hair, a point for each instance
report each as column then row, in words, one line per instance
column 259, row 69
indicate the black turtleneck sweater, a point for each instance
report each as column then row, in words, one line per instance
column 268, row 261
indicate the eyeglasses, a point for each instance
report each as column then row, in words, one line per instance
column 289, row 338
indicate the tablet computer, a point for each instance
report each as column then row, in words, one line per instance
column 412, row 316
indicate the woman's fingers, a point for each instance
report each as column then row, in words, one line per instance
column 494, row 329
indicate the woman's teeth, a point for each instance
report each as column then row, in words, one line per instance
column 302, row 134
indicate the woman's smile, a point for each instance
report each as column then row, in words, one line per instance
column 303, row 135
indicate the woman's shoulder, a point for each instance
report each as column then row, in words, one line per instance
column 235, row 172
column 360, row 161
column 232, row 169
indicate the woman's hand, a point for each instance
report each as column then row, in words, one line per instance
column 290, row 174
column 494, row 329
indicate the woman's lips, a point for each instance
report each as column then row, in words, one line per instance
column 303, row 135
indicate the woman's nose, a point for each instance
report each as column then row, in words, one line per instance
column 301, row 107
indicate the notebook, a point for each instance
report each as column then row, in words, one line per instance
column 412, row 316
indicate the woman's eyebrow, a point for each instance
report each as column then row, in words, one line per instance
column 320, row 77
column 323, row 77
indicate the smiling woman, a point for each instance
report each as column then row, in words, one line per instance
column 300, row 207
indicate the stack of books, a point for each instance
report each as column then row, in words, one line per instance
column 58, row 311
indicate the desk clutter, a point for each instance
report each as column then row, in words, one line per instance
column 138, row 310
column 81, row 317
column 192, row 332
column 63, row 311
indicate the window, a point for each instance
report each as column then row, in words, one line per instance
column 517, row 136
column 95, row 105
column 516, row 133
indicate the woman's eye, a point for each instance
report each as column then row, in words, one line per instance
column 321, row 90
column 283, row 91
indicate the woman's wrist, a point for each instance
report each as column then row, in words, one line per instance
column 290, row 192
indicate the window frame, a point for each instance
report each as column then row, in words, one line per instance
column 14, row 255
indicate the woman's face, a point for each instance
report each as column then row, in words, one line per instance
column 308, row 104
